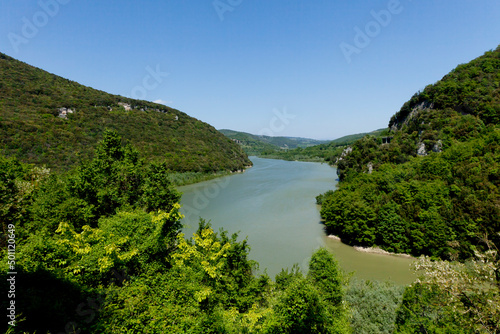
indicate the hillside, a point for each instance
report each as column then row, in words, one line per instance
column 295, row 148
column 349, row 139
column 434, row 188
column 328, row 152
column 52, row 121
column 256, row 144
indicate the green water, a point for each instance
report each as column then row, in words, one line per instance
column 273, row 205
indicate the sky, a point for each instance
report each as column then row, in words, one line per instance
column 311, row 68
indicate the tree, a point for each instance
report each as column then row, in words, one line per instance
column 157, row 190
column 325, row 274
column 299, row 310
column 129, row 242
column 111, row 180
column 454, row 296
column 373, row 306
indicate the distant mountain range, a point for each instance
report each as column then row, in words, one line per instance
column 255, row 144
column 48, row 120
column 294, row 148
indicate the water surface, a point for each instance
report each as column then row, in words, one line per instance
column 273, row 205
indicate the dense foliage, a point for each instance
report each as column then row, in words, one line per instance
column 32, row 131
column 434, row 189
column 99, row 249
column 453, row 297
column 374, row 306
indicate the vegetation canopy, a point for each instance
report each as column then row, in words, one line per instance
column 98, row 240
column 54, row 122
column 433, row 187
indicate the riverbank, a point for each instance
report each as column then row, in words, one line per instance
column 293, row 158
column 377, row 250
column 184, row 179
column 272, row 205
column 372, row 250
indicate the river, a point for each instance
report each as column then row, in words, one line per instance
column 273, row 205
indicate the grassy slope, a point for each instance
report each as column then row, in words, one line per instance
column 31, row 130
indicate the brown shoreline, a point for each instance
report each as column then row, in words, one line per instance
column 372, row 250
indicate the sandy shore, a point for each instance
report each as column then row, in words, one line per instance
column 373, row 250
column 376, row 250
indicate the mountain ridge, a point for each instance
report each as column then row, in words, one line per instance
column 297, row 148
column 432, row 188
column 53, row 121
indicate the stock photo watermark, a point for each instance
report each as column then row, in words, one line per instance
column 364, row 36
column 224, row 6
column 202, row 198
column 11, row 274
column 278, row 123
column 150, row 82
column 87, row 309
column 31, row 26
column 90, row 308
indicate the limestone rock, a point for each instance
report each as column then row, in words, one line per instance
column 127, row 106
column 63, row 112
column 370, row 167
column 438, row 147
column 421, row 150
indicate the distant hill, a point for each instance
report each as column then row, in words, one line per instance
column 349, row 139
column 296, row 148
column 256, row 144
column 328, row 152
column 48, row 120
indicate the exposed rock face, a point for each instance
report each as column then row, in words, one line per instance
column 438, row 147
column 127, row 106
column 421, row 151
column 345, row 152
column 63, row 112
column 423, row 105
column 414, row 113
column 370, row 167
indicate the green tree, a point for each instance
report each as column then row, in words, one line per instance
column 128, row 243
column 453, row 297
column 392, row 229
column 373, row 306
column 157, row 190
column 111, row 180
column 325, row 274
column 300, row 310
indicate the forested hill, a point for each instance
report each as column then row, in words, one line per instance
column 434, row 189
column 258, row 144
column 295, row 148
column 329, row 152
column 52, row 121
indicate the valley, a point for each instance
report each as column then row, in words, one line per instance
column 165, row 224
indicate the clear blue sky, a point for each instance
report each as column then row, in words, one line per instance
column 238, row 63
